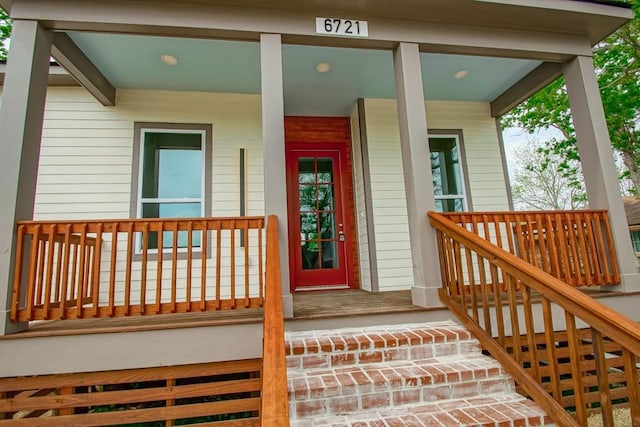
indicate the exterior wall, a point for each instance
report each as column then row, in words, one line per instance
column 86, row 161
column 86, row 167
column 86, row 158
column 483, row 164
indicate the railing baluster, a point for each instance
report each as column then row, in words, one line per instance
column 144, row 267
column 189, row 262
column 81, row 272
column 593, row 249
column 583, row 259
column 218, row 263
column 17, row 278
column 460, row 275
column 42, row 247
column 612, row 249
column 74, row 276
column 203, row 279
column 633, row 385
column 515, row 320
column 97, row 266
column 532, row 250
column 260, row 264
column 59, row 260
column 451, row 283
column 552, row 360
column 531, row 332
column 486, row 307
column 65, row 273
column 603, row 248
column 128, row 268
column 33, row 263
column 472, row 284
column 49, row 272
column 233, row 264
column 174, row 268
column 159, row 266
column 246, row 263
column 603, row 378
column 576, row 364
column 573, row 246
column 513, row 244
column 542, row 243
column 563, row 242
column 112, row 270
column 552, row 244
column 497, row 289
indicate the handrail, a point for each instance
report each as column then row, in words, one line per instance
column 275, row 401
column 490, row 290
column 127, row 267
column 573, row 246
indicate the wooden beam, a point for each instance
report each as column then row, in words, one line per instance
column 537, row 79
column 69, row 56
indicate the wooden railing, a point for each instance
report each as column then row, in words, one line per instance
column 114, row 268
column 516, row 310
column 573, row 246
column 275, row 397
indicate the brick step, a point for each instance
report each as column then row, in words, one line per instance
column 323, row 391
column 343, row 347
column 500, row 410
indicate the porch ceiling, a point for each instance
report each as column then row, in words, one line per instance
column 130, row 61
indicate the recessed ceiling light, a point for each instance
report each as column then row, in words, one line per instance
column 169, row 59
column 323, row 67
column 461, row 74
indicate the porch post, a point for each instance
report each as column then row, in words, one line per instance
column 596, row 156
column 21, row 116
column 418, row 181
column 275, row 184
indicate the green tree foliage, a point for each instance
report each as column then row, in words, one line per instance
column 617, row 62
column 5, row 32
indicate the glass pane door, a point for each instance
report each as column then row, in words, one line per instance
column 319, row 234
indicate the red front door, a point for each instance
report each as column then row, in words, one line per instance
column 319, row 228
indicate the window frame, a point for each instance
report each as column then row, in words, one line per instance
column 140, row 129
column 634, row 229
column 455, row 134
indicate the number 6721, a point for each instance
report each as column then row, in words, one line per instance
column 341, row 26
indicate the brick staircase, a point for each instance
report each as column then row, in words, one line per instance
column 402, row 375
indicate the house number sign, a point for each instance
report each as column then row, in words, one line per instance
column 342, row 27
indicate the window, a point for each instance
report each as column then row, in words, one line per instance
column 635, row 240
column 172, row 179
column 447, row 171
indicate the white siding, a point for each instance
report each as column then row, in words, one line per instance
column 87, row 149
column 483, row 163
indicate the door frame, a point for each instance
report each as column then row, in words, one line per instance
column 318, row 133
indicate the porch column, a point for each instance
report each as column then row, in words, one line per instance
column 596, row 156
column 418, row 181
column 21, row 116
column 275, row 183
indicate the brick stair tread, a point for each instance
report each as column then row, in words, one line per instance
column 500, row 410
column 402, row 374
column 391, row 336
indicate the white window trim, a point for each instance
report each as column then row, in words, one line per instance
column 206, row 135
column 463, row 170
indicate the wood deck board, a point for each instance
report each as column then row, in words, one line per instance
column 139, row 323
column 352, row 302
column 306, row 305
